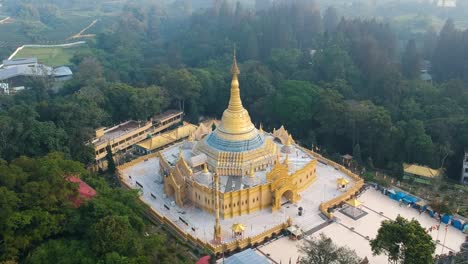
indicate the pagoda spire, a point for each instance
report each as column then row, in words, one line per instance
column 235, row 103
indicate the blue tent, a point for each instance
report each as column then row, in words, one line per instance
column 457, row 223
column 397, row 196
column 446, row 218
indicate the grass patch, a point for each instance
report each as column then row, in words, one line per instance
column 51, row 56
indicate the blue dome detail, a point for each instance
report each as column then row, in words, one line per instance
column 218, row 143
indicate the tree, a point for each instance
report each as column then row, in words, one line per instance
column 322, row 250
column 357, row 154
column 404, row 241
column 182, row 86
column 112, row 233
column 110, row 159
column 411, row 61
column 89, row 70
column 330, row 19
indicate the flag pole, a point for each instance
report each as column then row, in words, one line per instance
column 443, row 245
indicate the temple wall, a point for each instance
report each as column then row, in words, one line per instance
column 250, row 200
column 306, row 176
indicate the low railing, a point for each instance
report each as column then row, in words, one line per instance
column 137, row 160
column 224, row 247
column 359, row 183
column 259, row 238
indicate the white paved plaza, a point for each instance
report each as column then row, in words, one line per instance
column 200, row 224
column 373, row 203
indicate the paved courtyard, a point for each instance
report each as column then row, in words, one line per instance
column 145, row 176
column 374, row 202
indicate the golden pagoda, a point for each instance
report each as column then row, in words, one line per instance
column 236, row 144
column 236, row 169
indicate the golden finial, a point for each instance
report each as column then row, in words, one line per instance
column 235, row 69
column 235, row 103
column 261, row 128
column 286, row 160
column 205, row 168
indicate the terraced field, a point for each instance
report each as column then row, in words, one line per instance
column 51, row 56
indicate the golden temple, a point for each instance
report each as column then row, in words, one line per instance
column 236, row 169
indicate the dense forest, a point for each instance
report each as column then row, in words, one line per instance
column 347, row 85
column 40, row 224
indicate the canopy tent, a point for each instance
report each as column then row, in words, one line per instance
column 238, row 228
column 295, row 231
column 354, row 203
column 341, row 183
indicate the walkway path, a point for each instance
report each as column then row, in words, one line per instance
column 5, row 20
column 81, row 35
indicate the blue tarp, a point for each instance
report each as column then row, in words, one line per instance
column 400, row 195
column 457, row 223
column 247, row 256
column 403, row 196
column 410, row 199
column 446, row 219
column 431, row 212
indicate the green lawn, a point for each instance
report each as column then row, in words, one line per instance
column 53, row 56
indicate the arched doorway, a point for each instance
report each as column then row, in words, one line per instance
column 287, row 197
column 284, row 196
column 277, row 140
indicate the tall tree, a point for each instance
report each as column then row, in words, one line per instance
column 182, row 86
column 330, row 19
column 446, row 60
column 110, row 159
column 411, row 61
column 322, row 250
column 405, row 241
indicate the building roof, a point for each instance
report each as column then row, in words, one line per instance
column 84, row 190
column 62, row 71
column 118, row 131
column 247, row 256
column 167, row 138
column 420, row 170
column 204, row 260
column 425, row 76
column 166, row 115
column 24, row 70
column 19, row 61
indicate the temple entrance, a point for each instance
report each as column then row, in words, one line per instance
column 170, row 191
column 287, row 197
column 284, row 196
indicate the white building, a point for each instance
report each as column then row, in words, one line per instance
column 464, row 175
column 447, row 3
column 14, row 73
